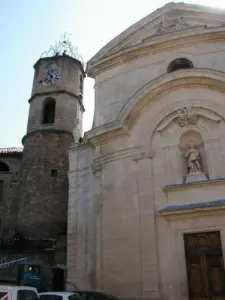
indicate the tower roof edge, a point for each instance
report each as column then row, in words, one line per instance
column 77, row 61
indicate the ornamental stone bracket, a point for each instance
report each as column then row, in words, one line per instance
column 96, row 167
column 186, row 116
column 143, row 155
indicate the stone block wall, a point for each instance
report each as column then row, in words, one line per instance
column 65, row 113
column 42, row 194
column 10, row 179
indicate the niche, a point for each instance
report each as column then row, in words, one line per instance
column 193, row 156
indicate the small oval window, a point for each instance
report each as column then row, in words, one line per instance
column 179, row 64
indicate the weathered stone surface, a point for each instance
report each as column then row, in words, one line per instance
column 42, row 195
column 42, row 199
column 132, row 164
column 36, row 188
column 12, row 158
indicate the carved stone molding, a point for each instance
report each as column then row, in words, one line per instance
column 121, row 154
column 186, row 116
column 177, row 24
column 117, row 155
column 143, row 155
column 96, row 168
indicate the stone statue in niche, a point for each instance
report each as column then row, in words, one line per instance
column 186, row 116
column 194, row 167
column 193, row 159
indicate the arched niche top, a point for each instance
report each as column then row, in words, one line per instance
column 4, row 167
column 48, row 111
column 188, row 136
column 215, row 113
column 192, row 112
column 181, row 131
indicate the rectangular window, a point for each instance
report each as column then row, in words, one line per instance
column 1, row 189
column 54, row 173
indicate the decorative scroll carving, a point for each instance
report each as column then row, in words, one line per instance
column 178, row 24
column 143, row 155
column 186, row 116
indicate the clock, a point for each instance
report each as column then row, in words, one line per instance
column 51, row 75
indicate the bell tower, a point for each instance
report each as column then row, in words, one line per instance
column 56, row 108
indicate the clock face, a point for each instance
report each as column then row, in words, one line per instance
column 51, row 75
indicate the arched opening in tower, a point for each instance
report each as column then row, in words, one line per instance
column 49, row 111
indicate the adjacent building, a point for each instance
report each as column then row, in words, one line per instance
column 34, row 179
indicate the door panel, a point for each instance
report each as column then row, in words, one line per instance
column 205, row 267
column 195, row 276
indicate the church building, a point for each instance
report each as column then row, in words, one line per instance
column 135, row 206
column 147, row 183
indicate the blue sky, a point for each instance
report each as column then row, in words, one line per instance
column 29, row 27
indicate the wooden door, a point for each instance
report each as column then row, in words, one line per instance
column 205, row 266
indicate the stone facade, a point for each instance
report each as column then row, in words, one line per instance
column 152, row 168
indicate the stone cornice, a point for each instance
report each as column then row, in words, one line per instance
column 189, row 78
column 103, row 134
column 186, row 186
column 136, row 153
column 157, row 44
column 146, row 154
column 45, row 130
column 196, row 209
column 193, row 213
column 58, row 57
column 60, row 91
